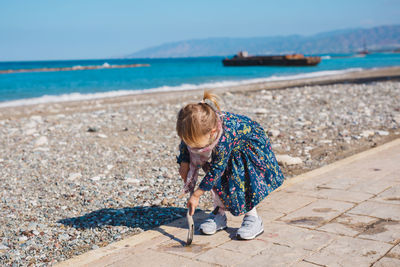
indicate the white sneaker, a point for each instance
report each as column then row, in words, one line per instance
column 252, row 227
column 213, row 223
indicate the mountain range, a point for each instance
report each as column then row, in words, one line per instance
column 380, row 38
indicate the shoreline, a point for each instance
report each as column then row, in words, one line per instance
column 358, row 76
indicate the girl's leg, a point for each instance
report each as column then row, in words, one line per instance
column 218, row 202
column 217, row 221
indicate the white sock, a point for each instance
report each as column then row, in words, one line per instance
column 252, row 212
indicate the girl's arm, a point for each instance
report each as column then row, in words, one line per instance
column 193, row 201
column 184, row 155
column 218, row 163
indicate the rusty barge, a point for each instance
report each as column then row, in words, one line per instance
column 243, row 59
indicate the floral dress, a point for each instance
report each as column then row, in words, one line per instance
column 243, row 169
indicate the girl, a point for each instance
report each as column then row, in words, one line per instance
column 235, row 153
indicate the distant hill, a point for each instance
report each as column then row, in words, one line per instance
column 342, row 41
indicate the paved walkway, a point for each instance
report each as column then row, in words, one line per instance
column 344, row 214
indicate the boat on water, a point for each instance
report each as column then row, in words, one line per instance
column 243, row 59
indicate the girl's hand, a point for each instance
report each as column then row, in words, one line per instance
column 183, row 170
column 192, row 204
column 193, row 201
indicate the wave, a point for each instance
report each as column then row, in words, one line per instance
column 326, row 57
column 78, row 96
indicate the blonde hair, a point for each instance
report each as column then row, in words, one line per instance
column 197, row 119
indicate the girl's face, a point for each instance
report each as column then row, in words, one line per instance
column 205, row 140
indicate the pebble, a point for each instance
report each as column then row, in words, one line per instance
column 384, row 133
column 95, row 178
column 63, row 237
column 367, row 133
column 274, row 133
column 41, row 141
column 74, row 176
column 3, row 247
column 288, row 160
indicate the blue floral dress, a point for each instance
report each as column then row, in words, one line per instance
column 243, row 168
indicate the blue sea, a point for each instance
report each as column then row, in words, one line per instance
column 162, row 75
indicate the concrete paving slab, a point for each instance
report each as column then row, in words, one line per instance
column 378, row 209
column 390, row 195
column 347, row 251
column 276, row 255
column 223, row 257
column 278, row 203
column 349, row 224
column 337, row 194
column 317, row 213
column 383, row 230
column 295, row 237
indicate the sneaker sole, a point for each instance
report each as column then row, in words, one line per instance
column 250, row 237
column 211, row 233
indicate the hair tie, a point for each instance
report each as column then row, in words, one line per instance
column 210, row 103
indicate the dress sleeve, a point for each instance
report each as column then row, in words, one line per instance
column 218, row 163
column 183, row 154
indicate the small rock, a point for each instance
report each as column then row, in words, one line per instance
column 260, row 111
column 382, row 132
column 95, row 178
column 163, row 169
column 92, row 130
column 41, row 141
column 95, row 247
column 30, row 131
column 165, row 202
column 63, row 237
column 288, row 160
column 133, row 181
column 32, row 226
column 324, row 141
column 22, row 238
column 74, row 176
column 367, row 133
column 102, row 135
column 3, row 247
column 274, row 133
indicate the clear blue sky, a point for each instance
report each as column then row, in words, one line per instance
column 75, row 29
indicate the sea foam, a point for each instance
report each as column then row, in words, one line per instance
column 78, row 96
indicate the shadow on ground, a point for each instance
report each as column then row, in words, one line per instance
column 135, row 217
column 143, row 217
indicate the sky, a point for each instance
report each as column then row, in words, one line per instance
column 91, row 29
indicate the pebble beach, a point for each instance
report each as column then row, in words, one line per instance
column 77, row 176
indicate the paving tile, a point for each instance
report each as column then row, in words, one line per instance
column 155, row 258
column 373, row 186
column 279, row 202
column 222, row 257
column 348, row 224
column 317, row 213
column 387, row 262
column 390, row 195
column 304, row 264
column 377, row 209
column 201, row 243
column 383, row 230
column 348, row 251
column 295, row 237
column 337, row 194
column 276, row 255
column 251, row 247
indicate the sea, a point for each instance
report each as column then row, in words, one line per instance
column 163, row 74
